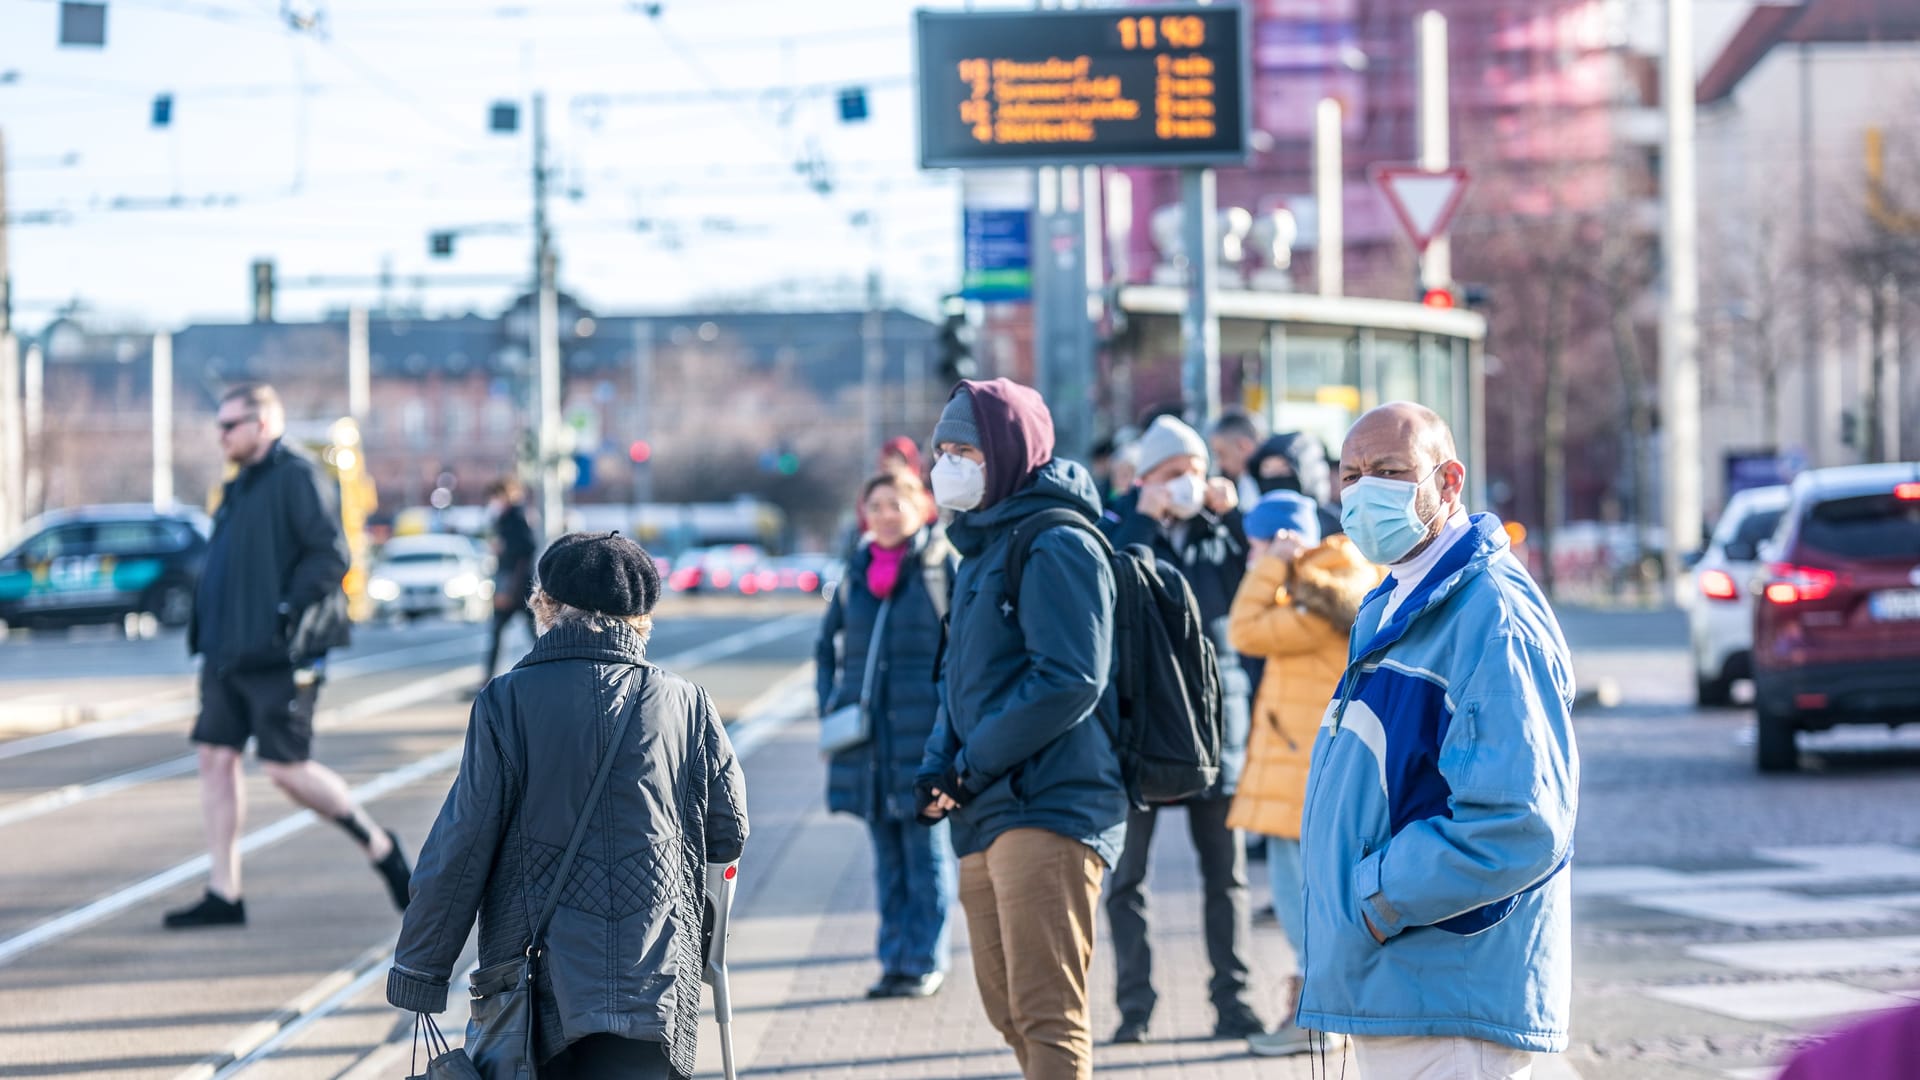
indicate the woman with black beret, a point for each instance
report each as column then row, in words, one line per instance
column 618, row 976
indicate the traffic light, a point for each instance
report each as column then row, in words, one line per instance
column 440, row 244
column 853, row 104
column 956, row 346
column 1439, row 299
column 1849, row 428
column 162, row 110
column 640, row 451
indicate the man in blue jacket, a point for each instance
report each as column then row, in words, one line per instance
column 1441, row 798
column 1022, row 758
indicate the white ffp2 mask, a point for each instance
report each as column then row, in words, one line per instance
column 958, row 484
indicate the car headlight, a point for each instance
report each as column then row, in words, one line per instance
column 383, row 589
column 461, row 585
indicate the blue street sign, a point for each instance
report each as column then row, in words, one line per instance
column 998, row 249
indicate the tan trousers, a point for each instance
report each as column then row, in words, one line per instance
column 1030, row 901
column 1446, row 1057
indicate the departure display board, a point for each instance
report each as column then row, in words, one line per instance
column 1159, row 85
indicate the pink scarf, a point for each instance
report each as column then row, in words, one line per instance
column 883, row 569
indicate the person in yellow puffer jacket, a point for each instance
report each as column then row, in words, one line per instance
column 1294, row 608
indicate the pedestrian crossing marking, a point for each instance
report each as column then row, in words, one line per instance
column 1769, row 907
column 1781, row 1000
column 1805, row 867
column 1816, row 956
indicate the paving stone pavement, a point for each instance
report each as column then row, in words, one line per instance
column 803, row 945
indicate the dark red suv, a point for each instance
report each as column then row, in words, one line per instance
column 1836, row 635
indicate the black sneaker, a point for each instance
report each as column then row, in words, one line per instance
column 1131, row 1031
column 1238, row 1022
column 212, row 910
column 393, row 869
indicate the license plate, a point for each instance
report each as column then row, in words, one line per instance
column 1895, row 605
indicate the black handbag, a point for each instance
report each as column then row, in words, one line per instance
column 500, row 1028
column 444, row 1061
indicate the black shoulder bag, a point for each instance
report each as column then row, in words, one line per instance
column 500, row 1033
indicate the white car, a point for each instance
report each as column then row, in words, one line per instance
column 1720, row 607
column 436, row 574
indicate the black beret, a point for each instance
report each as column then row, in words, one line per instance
column 600, row 572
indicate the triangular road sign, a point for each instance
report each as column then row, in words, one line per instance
column 1424, row 200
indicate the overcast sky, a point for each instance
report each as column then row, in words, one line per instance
column 675, row 140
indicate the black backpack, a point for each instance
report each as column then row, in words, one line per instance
column 1165, row 669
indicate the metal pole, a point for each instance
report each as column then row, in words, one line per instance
column 1814, row 412
column 12, row 514
column 552, row 506
column 1329, row 256
column 546, row 343
column 1200, row 324
column 6, row 273
column 1679, row 330
column 643, row 407
column 1436, row 263
column 1890, row 390
column 873, row 361
column 359, row 366
column 162, row 420
column 35, row 423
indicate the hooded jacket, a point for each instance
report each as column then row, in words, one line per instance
column 624, row 948
column 1440, row 806
column 1296, row 614
column 1212, row 556
column 874, row 780
column 1027, row 704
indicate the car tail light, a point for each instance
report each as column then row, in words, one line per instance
column 768, row 580
column 1910, row 492
column 809, row 581
column 747, row 585
column 1718, row 585
column 722, row 579
column 1793, row 584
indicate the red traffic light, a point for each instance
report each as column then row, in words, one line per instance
column 640, row 451
column 1438, row 298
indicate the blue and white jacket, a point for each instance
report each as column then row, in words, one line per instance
column 1440, row 805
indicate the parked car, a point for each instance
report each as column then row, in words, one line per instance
column 101, row 564
column 809, row 572
column 1720, row 608
column 435, row 574
column 714, row 569
column 1837, row 625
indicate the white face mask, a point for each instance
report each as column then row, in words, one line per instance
column 958, row 484
column 1186, row 495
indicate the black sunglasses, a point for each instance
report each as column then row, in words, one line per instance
column 229, row 425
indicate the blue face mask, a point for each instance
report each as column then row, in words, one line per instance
column 1382, row 517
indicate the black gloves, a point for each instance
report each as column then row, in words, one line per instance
column 948, row 783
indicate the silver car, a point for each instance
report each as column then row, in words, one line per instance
column 1720, row 606
column 436, row 574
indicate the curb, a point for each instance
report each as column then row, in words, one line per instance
column 1601, row 693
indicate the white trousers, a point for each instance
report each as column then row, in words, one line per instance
column 1422, row 1057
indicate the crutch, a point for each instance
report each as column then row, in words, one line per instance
column 720, row 883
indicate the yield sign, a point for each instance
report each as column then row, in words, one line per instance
column 1424, row 200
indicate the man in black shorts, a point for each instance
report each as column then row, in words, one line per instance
column 268, row 609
